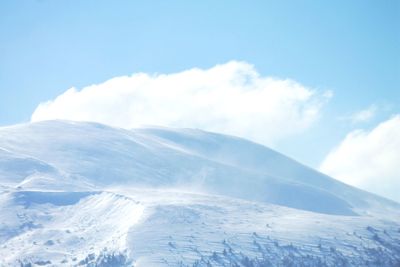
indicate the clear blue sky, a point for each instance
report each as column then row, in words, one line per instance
column 350, row 47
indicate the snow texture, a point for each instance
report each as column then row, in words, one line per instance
column 86, row 194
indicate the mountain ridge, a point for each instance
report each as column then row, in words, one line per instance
column 151, row 157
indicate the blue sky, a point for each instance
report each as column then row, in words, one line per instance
column 348, row 47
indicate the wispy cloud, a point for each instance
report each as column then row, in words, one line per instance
column 231, row 98
column 362, row 116
column 369, row 159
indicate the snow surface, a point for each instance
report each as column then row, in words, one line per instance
column 85, row 194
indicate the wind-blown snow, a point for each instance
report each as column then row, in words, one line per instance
column 85, row 194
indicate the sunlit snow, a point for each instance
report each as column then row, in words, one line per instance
column 85, row 194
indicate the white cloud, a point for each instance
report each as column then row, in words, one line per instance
column 231, row 98
column 364, row 115
column 369, row 159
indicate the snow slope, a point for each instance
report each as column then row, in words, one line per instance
column 86, row 194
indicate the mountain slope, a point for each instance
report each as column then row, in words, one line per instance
column 75, row 193
column 183, row 158
column 145, row 227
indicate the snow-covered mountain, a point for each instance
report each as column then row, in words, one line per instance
column 85, row 194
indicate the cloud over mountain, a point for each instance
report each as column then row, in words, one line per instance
column 369, row 159
column 230, row 98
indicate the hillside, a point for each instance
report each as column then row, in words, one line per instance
column 75, row 193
